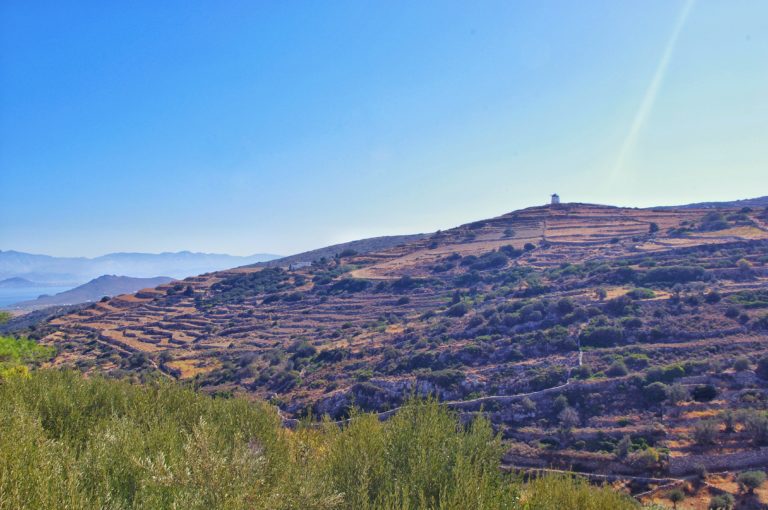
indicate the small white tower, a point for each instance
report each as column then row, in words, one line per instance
column 555, row 199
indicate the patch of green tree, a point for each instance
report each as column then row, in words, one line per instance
column 71, row 442
column 671, row 275
column 16, row 354
column 349, row 285
column 236, row 288
column 750, row 298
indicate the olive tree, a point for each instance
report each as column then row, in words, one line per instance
column 750, row 480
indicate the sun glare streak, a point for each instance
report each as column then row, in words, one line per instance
column 639, row 120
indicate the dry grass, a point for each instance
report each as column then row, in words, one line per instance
column 191, row 367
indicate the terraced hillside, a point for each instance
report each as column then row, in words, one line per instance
column 596, row 338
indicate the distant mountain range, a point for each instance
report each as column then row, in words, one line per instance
column 18, row 283
column 48, row 270
column 108, row 285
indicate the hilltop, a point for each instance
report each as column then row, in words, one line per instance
column 594, row 337
column 759, row 202
column 353, row 247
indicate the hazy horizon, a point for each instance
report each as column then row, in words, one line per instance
column 280, row 128
column 346, row 240
column 133, row 252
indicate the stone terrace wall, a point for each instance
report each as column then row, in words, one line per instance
column 728, row 461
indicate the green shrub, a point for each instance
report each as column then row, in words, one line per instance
column 761, row 323
column 509, row 250
column 446, row 378
column 713, row 221
column 564, row 492
column 721, row 502
column 671, row 275
column 70, row 442
column 17, row 353
column 705, row 432
column 675, row 496
column 582, row 372
column 349, row 285
column 677, row 393
column 704, row 393
column 762, row 367
column 617, row 369
column 741, row 364
column 648, row 458
column 712, row 297
column 637, row 360
column 623, row 447
column 667, row 373
column 619, row 306
column 751, row 480
column 756, row 427
column 547, row 377
column 235, row 288
column 490, row 260
column 601, row 336
column 641, row 293
column 457, row 310
column 750, row 298
column 560, row 403
column 302, row 349
column 656, row 392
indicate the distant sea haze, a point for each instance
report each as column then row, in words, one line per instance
column 15, row 295
column 52, row 275
column 61, row 271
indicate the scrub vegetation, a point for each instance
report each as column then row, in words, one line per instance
column 71, row 442
column 594, row 339
column 17, row 353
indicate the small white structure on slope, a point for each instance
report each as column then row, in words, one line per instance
column 555, row 199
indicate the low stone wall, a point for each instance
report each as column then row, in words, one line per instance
column 593, row 464
column 757, row 457
column 695, row 379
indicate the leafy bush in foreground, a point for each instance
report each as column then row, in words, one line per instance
column 70, row 442
column 17, row 353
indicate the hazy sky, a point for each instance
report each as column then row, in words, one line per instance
column 246, row 127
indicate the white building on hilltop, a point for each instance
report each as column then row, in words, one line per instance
column 555, row 199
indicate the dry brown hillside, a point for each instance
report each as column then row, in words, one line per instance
column 573, row 326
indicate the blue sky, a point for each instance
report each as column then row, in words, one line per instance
column 246, row 127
